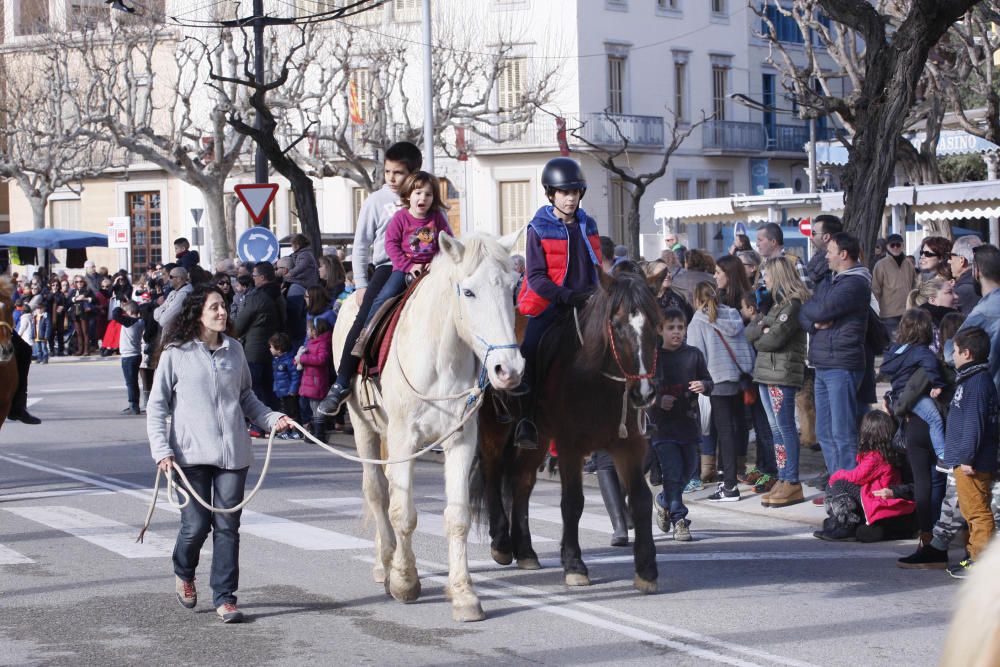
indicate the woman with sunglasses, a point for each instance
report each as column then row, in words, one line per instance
column 225, row 285
column 81, row 311
column 935, row 251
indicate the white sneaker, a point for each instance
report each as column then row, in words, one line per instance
column 682, row 531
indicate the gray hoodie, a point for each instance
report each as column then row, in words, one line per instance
column 198, row 404
column 705, row 336
column 369, row 238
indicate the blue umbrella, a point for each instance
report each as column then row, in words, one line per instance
column 53, row 239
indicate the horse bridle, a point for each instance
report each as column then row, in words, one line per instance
column 626, row 376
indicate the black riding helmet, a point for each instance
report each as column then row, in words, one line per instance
column 563, row 173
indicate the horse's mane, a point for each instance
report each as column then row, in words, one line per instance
column 6, row 289
column 627, row 292
column 478, row 248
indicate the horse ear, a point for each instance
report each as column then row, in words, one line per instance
column 604, row 279
column 451, row 246
column 509, row 242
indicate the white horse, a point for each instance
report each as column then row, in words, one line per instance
column 458, row 322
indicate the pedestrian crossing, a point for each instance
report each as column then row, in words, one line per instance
column 108, row 534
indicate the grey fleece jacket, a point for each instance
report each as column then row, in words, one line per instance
column 369, row 237
column 198, row 403
column 702, row 335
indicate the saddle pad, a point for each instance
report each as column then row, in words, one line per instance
column 382, row 328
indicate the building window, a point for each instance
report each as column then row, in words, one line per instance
column 406, row 10
column 703, row 189
column 511, row 84
column 720, row 89
column 722, row 188
column 619, row 206
column 358, row 197
column 680, row 87
column 681, row 189
column 33, row 18
column 670, row 5
column 719, row 8
column 514, row 207
column 65, row 213
column 768, row 98
column 313, row 7
column 616, row 84
column 359, row 95
column 147, row 245
column 86, row 14
column 786, row 29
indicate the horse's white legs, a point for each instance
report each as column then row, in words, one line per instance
column 465, row 604
column 403, row 582
column 376, row 491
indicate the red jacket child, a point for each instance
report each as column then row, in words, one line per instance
column 874, row 472
column 316, row 367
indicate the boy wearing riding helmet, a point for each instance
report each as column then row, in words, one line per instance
column 561, row 263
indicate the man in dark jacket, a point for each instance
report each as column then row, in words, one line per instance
column 837, row 318
column 824, row 228
column 260, row 317
column 961, row 271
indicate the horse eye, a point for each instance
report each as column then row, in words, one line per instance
column 469, row 293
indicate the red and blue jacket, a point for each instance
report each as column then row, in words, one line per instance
column 552, row 271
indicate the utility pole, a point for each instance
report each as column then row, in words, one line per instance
column 428, row 90
column 260, row 159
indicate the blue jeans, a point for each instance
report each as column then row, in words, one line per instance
column 41, row 350
column 679, row 464
column 926, row 410
column 765, row 436
column 837, row 416
column 779, row 404
column 394, row 286
column 130, row 369
column 223, row 488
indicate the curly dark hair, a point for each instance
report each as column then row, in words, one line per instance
column 876, row 434
column 187, row 325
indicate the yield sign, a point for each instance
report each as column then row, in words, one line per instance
column 256, row 197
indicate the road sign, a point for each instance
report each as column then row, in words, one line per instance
column 120, row 232
column 196, row 215
column 256, row 197
column 257, row 244
column 740, row 228
column 805, row 226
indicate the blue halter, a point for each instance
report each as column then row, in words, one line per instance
column 484, row 378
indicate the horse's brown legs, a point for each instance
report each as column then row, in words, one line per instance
column 493, row 462
column 571, row 473
column 640, row 502
column 525, row 470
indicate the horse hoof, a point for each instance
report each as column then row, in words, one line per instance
column 577, row 579
column 644, row 586
column 405, row 594
column 378, row 574
column 529, row 563
column 502, row 557
column 468, row 613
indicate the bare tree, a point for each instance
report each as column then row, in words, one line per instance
column 881, row 48
column 615, row 150
column 45, row 144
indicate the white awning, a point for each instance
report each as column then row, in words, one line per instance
column 957, row 213
column 948, row 193
column 831, row 201
column 692, row 208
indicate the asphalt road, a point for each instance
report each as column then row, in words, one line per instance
column 753, row 588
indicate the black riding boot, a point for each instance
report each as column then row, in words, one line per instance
column 19, row 402
column 614, row 501
column 526, row 434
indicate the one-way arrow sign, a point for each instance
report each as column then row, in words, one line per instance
column 256, row 197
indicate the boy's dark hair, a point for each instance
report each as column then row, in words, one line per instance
column 772, row 231
column 607, row 249
column 407, row 154
column 245, row 281
column 986, row 258
column 671, row 314
column 875, row 435
column 975, row 341
column 280, row 341
column 915, row 328
column 831, row 224
column 848, row 244
column 181, row 241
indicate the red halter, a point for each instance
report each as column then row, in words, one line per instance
column 630, row 377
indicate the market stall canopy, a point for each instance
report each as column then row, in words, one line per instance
column 53, row 239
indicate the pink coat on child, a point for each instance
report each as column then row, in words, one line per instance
column 874, row 472
column 316, row 367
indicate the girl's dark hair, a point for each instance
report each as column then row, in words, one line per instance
column 187, row 325
column 915, row 328
column 335, row 274
column 875, row 435
column 699, row 260
column 319, row 300
column 738, row 284
column 419, row 179
column 319, row 324
column 950, row 324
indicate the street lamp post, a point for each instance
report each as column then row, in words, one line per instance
column 428, row 90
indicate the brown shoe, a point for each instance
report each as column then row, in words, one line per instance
column 764, row 483
column 229, row 613
column 785, row 495
column 765, row 496
column 186, row 593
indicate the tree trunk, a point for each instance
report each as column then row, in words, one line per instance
column 215, row 209
column 38, row 205
column 305, row 204
column 632, row 228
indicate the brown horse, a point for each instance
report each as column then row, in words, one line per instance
column 597, row 378
column 8, row 364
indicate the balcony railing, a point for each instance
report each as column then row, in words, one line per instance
column 733, row 136
column 608, row 130
column 597, row 128
column 793, row 138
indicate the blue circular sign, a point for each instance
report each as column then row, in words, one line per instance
column 257, row 244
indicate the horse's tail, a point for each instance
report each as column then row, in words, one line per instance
column 477, row 493
column 6, row 289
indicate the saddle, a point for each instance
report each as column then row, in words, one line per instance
column 372, row 346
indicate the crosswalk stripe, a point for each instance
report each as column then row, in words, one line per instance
column 300, row 535
column 596, row 522
column 10, row 557
column 37, row 495
column 106, row 533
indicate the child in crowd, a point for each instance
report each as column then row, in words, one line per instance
column 971, row 440
column 315, row 364
column 851, row 499
column 411, row 239
column 130, row 347
column 911, row 352
column 286, row 378
column 681, row 375
column 18, row 312
column 40, row 327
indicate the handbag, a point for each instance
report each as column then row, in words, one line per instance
column 705, row 412
column 746, row 380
